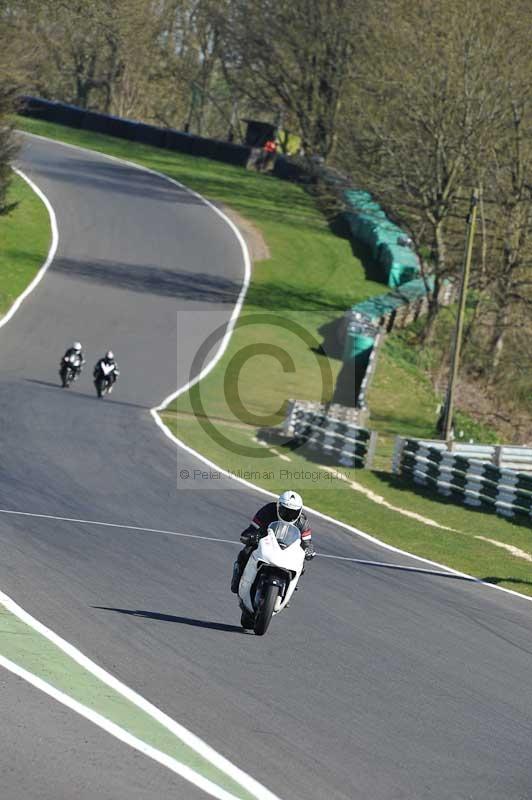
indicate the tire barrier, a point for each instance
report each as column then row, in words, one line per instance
column 331, row 433
column 470, row 479
column 390, row 247
column 134, row 131
column 363, row 322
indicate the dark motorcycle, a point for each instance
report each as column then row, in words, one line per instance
column 104, row 381
column 69, row 370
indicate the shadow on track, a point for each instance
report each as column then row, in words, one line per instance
column 91, row 396
column 401, row 568
column 44, row 383
column 196, row 623
column 497, row 579
column 151, row 279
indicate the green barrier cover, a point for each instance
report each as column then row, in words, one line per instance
column 370, row 225
column 357, row 345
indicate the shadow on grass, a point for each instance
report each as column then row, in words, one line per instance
column 396, row 482
column 331, row 345
column 198, row 286
column 496, row 580
column 339, row 226
column 348, row 384
column 286, row 295
column 403, row 424
column 275, row 437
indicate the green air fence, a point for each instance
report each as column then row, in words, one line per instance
column 388, row 244
column 362, row 325
column 358, row 346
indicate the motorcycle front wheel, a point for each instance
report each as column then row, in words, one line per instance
column 247, row 621
column 65, row 377
column 265, row 612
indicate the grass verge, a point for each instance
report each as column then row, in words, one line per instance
column 24, row 242
column 308, row 282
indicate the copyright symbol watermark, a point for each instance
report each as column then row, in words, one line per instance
column 270, row 359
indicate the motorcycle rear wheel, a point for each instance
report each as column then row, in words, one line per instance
column 265, row 612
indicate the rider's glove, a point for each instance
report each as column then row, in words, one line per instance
column 309, row 553
column 249, row 536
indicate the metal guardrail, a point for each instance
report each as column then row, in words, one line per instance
column 331, row 432
column 468, row 473
column 506, row 456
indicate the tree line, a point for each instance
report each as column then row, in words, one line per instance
column 417, row 102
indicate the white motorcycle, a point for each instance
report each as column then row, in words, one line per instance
column 69, row 369
column 271, row 575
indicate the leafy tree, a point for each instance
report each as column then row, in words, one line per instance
column 296, row 57
column 11, row 75
column 428, row 101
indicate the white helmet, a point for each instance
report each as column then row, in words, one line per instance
column 289, row 506
column 77, row 346
column 110, row 355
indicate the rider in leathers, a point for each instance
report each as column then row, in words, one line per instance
column 111, row 369
column 76, row 351
column 288, row 508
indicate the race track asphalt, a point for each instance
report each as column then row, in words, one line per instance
column 377, row 683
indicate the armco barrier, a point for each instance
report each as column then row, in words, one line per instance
column 132, row 130
column 335, row 440
column 468, row 479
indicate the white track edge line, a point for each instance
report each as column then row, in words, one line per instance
column 168, row 433
column 118, row 732
column 246, row 781
column 121, row 525
column 264, row 794
column 51, row 252
column 344, row 525
column 220, row 352
column 245, row 254
column 182, row 733
column 214, row 540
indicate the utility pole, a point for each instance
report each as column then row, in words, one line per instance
column 468, row 252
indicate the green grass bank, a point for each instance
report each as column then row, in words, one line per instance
column 24, row 242
column 307, row 283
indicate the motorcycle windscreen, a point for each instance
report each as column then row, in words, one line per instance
column 285, row 533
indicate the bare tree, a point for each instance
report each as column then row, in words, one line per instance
column 506, row 287
column 427, row 104
column 294, row 56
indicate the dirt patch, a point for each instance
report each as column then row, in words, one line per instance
column 252, row 236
